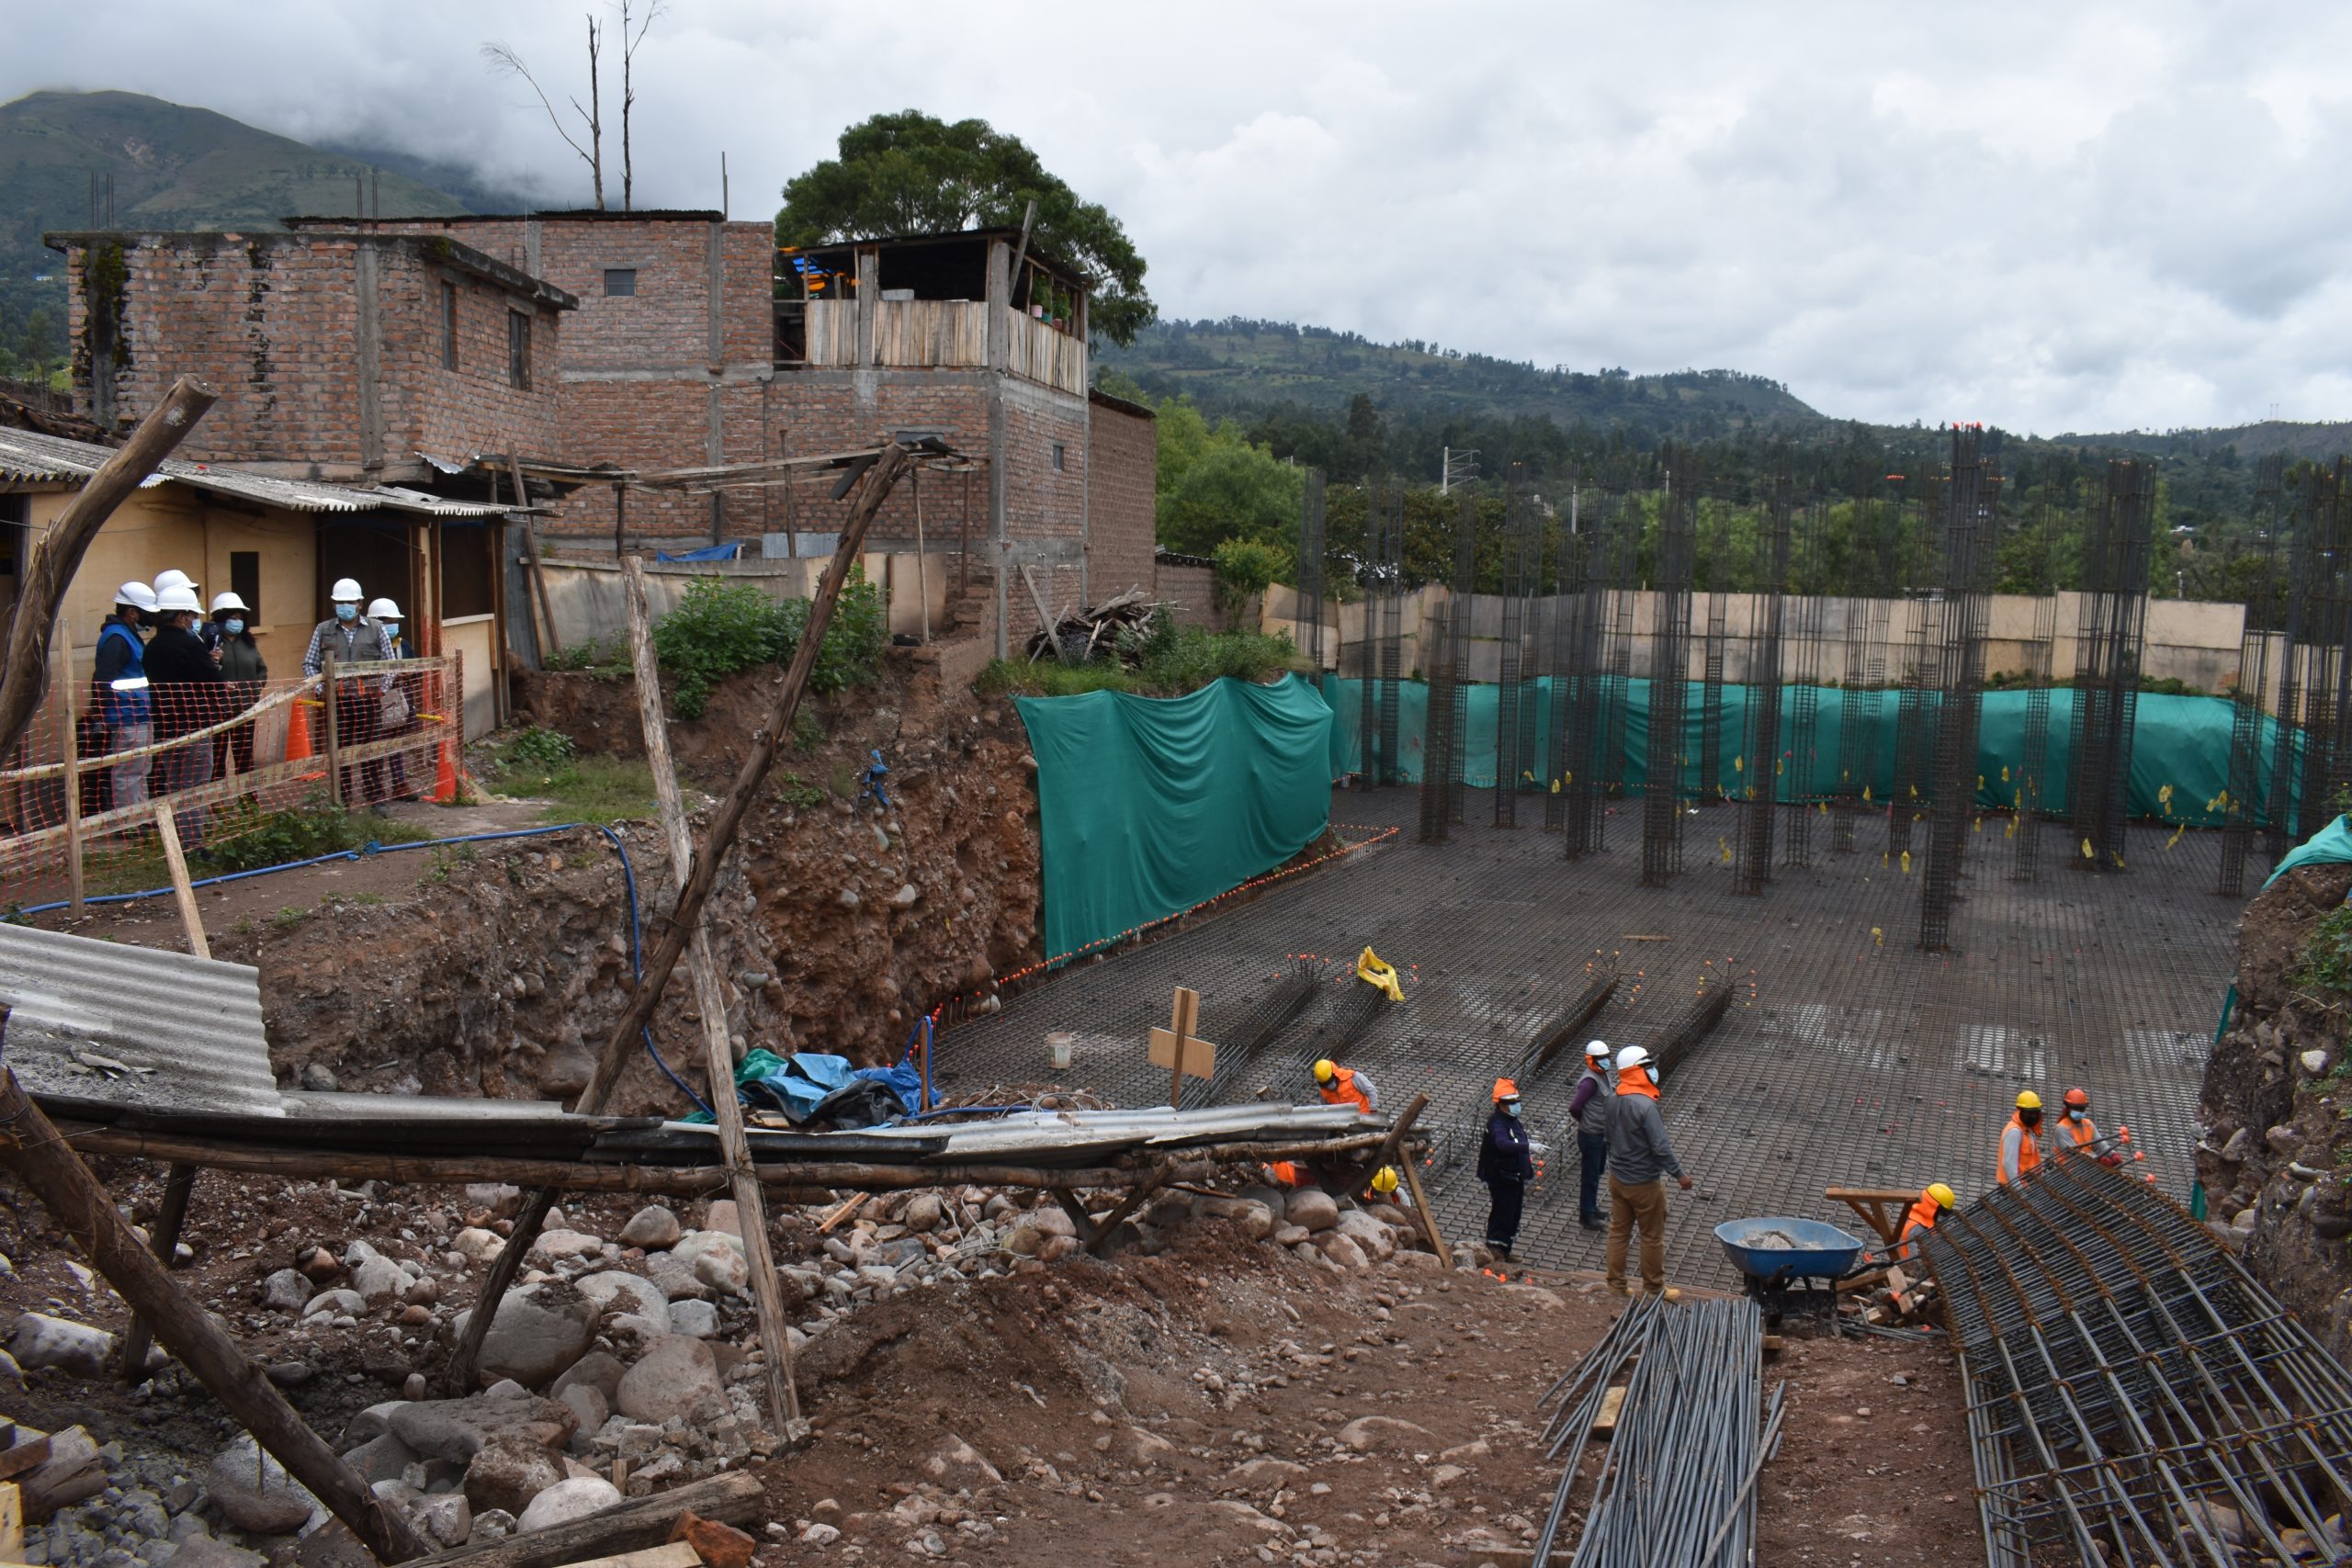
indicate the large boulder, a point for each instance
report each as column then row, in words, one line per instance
column 378, row 1280
column 447, row 1517
column 40, row 1340
column 1378, row 1242
column 539, row 1330
column 457, row 1429
column 1312, row 1207
column 289, row 1290
column 652, row 1228
column 253, row 1492
column 676, row 1374
column 508, row 1473
column 575, row 1498
column 613, row 1291
column 600, row 1369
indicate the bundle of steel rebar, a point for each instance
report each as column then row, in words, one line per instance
column 2134, row 1395
column 1676, row 1487
column 1266, row 1015
column 1556, row 1031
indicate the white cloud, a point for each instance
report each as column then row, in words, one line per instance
column 2057, row 216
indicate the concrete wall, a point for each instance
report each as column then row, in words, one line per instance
column 2186, row 641
column 590, row 606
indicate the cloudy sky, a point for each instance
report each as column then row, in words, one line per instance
column 2055, row 217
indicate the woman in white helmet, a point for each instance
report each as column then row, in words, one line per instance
column 188, row 697
column 241, row 665
column 351, row 637
column 398, row 714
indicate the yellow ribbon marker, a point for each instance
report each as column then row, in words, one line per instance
column 2177, row 834
column 1866, row 794
column 1878, row 936
column 1906, row 863
column 2004, row 773
column 1779, row 766
column 2013, row 828
column 1725, row 847
column 2087, row 851
column 1739, row 764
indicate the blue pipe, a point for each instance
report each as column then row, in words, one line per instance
column 373, row 847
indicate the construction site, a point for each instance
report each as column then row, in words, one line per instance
column 1156, row 1128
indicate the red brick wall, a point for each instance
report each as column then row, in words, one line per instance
column 275, row 321
column 1124, row 449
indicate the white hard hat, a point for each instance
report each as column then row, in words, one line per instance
column 175, row 599
column 1631, row 1056
column 229, row 602
column 173, row 578
column 384, row 609
column 1596, row 1048
column 138, row 595
column 346, row 590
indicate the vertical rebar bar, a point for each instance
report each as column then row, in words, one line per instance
column 2242, row 792
column 1760, row 746
column 1670, row 662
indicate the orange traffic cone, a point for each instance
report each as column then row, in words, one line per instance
column 445, row 775
column 297, row 730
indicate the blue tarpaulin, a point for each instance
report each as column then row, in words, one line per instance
column 708, row 552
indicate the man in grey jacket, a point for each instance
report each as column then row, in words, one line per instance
column 1641, row 1157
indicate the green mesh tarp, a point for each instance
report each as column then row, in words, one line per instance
column 2180, row 752
column 1152, row 804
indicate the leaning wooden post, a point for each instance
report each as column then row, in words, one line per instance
column 33, row 1148
column 694, row 891
column 70, row 756
column 719, row 1052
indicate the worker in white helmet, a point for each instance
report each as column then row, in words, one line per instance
column 120, row 698
column 241, row 665
column 350, row 637
column 189, row 696
column 1589, row 1108
column 398, row 714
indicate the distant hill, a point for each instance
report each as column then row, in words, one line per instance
column 1243, row 367
column 174, row 167
column 2321, row 440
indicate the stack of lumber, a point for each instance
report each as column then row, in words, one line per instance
column 1116, row 626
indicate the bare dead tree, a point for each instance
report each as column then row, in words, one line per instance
column 506, row 62
column 630, row 41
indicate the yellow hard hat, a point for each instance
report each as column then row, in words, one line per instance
column 1942, row 1195
column 2028, row 1100
column 1326, row 1069
column 1384, row 1181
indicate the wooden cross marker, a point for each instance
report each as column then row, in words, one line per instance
column 1176, row 1048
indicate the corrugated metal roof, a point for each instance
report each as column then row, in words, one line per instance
column 133, row 1026
column 30, row 457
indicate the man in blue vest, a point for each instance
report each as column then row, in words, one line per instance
column 118, row 687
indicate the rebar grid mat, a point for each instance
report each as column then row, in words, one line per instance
column 1845, row 1058
column 1239, row 1031
column 1674, row 1486
column 2126, row 1378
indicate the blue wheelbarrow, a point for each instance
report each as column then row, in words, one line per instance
column 1775, row 1252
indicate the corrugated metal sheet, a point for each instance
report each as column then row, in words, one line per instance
column 1104, row 1132
column 103, row 1020
column 30, row 457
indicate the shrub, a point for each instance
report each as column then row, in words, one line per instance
column 245, row 837
column 1171, row 661
column 725, row 624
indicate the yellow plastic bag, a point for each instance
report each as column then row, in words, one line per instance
column 1380, row 975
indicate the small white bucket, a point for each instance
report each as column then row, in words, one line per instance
column 1058, row 1049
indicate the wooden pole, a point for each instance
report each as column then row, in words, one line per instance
column 694, row 889
column 58, row 555
column 335, row 745
column 70, row 755
column 1182, row 1020
column 736, row 1499
column 167, row 828
column 550, row 643
column 718, row 1053
column 33, row 1148
column 922, row 569
column 177, row 1189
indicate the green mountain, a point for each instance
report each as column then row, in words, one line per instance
column 1241, row 367
column 173, row 167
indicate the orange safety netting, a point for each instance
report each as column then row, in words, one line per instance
column 224, row 756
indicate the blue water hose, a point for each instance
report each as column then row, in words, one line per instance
column 628, row 878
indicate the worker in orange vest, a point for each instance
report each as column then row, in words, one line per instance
column 2079, row 1134
column 1345, row 1086
column 1934, row 1201
column 2020, row 1140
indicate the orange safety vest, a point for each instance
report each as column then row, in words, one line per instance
column 1922, row 1217
column 1342, row 1091
column 1636, row 1080
column 2029, row 1150
column 1287, row 1173
column 2084, row 1132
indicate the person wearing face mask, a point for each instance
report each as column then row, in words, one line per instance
column 239, row 656
column 1345, row 1086
column 1641, row 1156
column 189, row 696
column 119, row 691
column 352, row 639
column 1589, row 1108
column 1506, row 1165
column 398, row 714
column 2020, row 1141
column 2078, row 1135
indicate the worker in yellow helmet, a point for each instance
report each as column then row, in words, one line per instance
column 1934, row 1201
column 1382, row 1187
column 2020, row 1140
column 1345, row 1086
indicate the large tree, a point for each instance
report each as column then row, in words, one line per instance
column 909, row 173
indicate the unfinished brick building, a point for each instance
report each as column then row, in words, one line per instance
column 683, row 346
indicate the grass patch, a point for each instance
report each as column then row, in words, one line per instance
column 1173, row 662
column 2325, row 962
column 544, row 765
